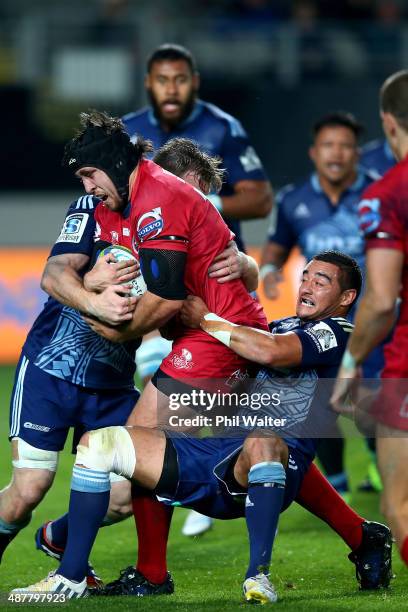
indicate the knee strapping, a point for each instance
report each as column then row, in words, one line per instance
column 109, row 450
column 35, row 458
column 267, row 472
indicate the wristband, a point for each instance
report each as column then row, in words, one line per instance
column 266, row 269
column 221, row 336
column 216, row 201
column 348, row 362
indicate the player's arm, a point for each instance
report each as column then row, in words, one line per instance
column 163, row 272
column 280, row 350
column 373, row 321
column 377, row 309
column 250, row 200
column 250, row 193
column 62, row 280
column 232, row 264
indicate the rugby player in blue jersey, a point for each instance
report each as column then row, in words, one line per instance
column 256, row 476
column 321, row 214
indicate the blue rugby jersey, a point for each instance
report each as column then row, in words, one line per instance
column 303, row 401
column 307, row 218
column 60, row 342
column 218, row 133
column 377, row 158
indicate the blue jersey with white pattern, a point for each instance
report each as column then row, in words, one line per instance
column 303, row 401
column 218, row 133
column 377, row 158
column 307, row 218
column 60, row 342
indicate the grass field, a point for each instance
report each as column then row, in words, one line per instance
column 310, row 566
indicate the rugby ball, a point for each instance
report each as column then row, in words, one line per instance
column 121, row 253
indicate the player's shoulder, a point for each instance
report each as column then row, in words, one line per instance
column 230, row 124
column 134, row 117
column 388, row 183
column 161, row 183
column 292, row 193
column 372, row 148
column 329, row 333
column 286, row 324
column 85, row 203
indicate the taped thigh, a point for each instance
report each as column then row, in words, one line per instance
column 35, row 458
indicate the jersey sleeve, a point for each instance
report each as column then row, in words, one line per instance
column 323, row 342
column 281, row 230
column 239, row 156
column 380, row 221
column 78, row 230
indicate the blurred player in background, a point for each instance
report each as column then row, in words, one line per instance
column 317, row 215
column 172, row 83
column 384, row 221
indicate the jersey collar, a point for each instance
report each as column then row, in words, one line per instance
column 356, row 186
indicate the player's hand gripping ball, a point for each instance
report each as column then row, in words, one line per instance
column 121, row 253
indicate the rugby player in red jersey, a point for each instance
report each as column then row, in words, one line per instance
column 176, row 233
column 384, row 221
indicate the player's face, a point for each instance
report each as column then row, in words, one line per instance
column 172, row 89
column 98, row 183
column 335, row 154
column 320, row 294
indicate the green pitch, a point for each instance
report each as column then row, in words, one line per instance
column 310, row 568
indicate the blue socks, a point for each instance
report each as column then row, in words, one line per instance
column 87, row 506
column 266, row 489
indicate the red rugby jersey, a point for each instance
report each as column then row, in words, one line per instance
column 383, row 213
column 169, row 214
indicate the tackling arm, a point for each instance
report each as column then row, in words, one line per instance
column 283, row 350
column 61, row 280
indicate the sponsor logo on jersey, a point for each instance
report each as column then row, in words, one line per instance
column 150, row 224
column 323, row 336
column 250, row 160
column 29, row 425
column 183, row 361
column 73, row 228
column 126, row 231
column 369, row 215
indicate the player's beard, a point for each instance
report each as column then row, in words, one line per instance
column 171, row 123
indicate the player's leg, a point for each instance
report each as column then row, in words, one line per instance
column 330, row 452
column 135, row 453
column 37, row 434
column 152, row 518
column 261, row 467
column 26, row 489
column 370, row 542
column 392, row 452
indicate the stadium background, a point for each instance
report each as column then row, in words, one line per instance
column 275, row 64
